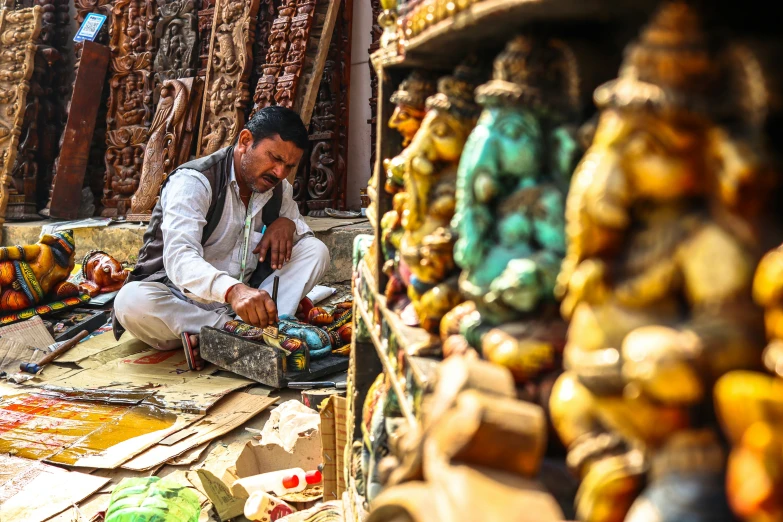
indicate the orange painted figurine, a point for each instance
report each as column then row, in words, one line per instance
column 32, row 273
column 102, row 274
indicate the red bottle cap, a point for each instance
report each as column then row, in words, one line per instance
column 290, row 482
column 313, row 477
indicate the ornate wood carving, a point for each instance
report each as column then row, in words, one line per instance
column 176, row 34
column 326, row 175
column 230, row 63
column 275, row 55
column 266, row 15
column 169, row 144
column 76, row 145
column 206, row 15
column 298, row 38
column 18, row 31
column 131, row 39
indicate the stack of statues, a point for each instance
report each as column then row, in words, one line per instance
column 616, row 269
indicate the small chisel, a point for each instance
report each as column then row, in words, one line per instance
column 318, row 384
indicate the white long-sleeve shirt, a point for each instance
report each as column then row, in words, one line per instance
column 207, row 273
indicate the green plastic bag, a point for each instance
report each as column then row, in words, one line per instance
column 152, row 499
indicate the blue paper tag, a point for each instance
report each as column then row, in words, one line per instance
column 90, row 27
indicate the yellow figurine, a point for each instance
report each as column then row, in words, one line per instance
column 657, row 285
column 430, row 169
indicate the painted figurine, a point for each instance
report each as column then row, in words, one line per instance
column 657, row 284
column 102, row 274
column 510, row 203
column 430, row 173
column 34, row 274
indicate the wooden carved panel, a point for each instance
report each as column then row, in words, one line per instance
column 298, row 38
column 131, row 39
column 230, row 63
column 266, row 15
column 77, row 145
column 170, row 139
column 206, row 15
column 18, row 32
column 177, row 34
column 276, row 51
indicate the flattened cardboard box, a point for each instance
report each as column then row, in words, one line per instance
column 334, row 437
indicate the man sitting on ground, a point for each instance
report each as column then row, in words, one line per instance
column 206, row 251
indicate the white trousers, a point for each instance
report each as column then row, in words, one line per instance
column 156, row 316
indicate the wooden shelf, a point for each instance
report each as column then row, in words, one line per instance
column 488, row 24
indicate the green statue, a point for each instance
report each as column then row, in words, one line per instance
column 511, row 185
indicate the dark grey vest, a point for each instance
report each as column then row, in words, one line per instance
column 217, row 169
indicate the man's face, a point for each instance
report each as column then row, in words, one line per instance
column 266, row 164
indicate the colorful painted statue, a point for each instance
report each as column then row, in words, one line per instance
column 657, row 284
column 34, row 274
column 509, row 217
column 102, row 274
column 430, row 169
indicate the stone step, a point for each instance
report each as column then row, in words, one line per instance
column 123, row 240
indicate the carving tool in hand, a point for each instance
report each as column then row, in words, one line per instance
column 64, row 347
column 272, row 330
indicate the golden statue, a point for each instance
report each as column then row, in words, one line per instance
column 657, row 284
column 430, row 169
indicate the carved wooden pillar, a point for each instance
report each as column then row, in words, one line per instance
column 18, row 33
column 205, row 16
column 177, row 35
column 266, row 16
column 130, row 101
column 275, row 55
column 298, row 38
column 228, row 71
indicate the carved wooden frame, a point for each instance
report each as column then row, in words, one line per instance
column 18, row 32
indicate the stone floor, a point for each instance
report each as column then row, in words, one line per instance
column 123, row 240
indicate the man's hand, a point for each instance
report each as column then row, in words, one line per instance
column 252, row 306
column 279, row 236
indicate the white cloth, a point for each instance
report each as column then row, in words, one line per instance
column 206, row 273
column 154, row 314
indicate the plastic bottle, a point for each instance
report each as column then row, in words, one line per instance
column 263, row 507
column 281, row 482
column 143, row 499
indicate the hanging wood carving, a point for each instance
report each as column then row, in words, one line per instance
column 265, row 18
column 169, row 144
column 130, row 101
column 223, row 113
column 18, row 32
column 206, row 15
column 177, row 34
column 275, row 56
column 298, row 38
column 96, row 97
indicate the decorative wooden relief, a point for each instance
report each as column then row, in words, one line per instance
column 228, row 94
column 86, row 103
column 298, row 38
column 130, row 101
column 206, row 15
column 177, row 34
column 266, row 15
column 18, row 31
column 325, row 178
column 169, row 142
column 275, row 56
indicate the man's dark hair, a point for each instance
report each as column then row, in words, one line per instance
column 278, row 121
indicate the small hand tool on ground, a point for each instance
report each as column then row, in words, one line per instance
column 317, row 384
column 66, row 345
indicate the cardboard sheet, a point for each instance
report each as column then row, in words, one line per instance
column 230, row 413
column 31, row 332
column 163, row 376
column 334, row 437
column 79, row 433
column 103, row 348
column 13, row 353
column 189, row 457
column 23, row 482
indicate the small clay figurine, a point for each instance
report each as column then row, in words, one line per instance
column 35, row 274
column 102, row 274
